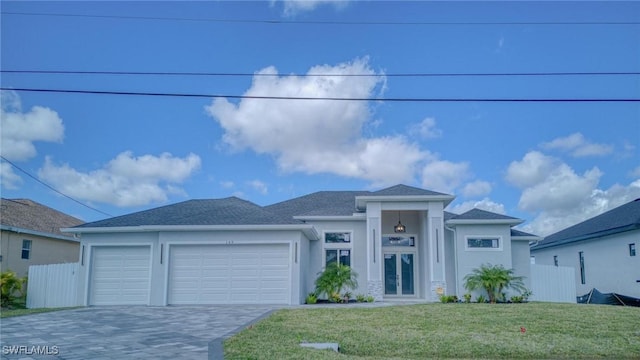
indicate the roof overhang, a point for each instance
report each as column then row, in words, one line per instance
column 309, row 230
column 38, row 233
column 527, row 238
column 511, row 222
column 361, row 201
column 594, row 235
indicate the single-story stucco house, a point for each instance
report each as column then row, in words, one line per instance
column 602, row 250
column 30, row 235
column 399, row 240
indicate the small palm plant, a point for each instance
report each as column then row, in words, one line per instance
column 334, row 278
column 493, row 279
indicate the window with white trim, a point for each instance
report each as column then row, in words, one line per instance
column 337, row 247
column 26, row 249
column 632, row 249
column 483, row 243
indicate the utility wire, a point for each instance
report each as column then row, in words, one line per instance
column 230, row 74
column 52, row 188
column 326, row 22
column 133, row 93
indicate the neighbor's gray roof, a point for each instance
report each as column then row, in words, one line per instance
column 30, row 215
column 620, row 219
column 227, row 211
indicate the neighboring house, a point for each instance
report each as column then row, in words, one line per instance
column 230, row 250
column 603, row 251
column 31, row 236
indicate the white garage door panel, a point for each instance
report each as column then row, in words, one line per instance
column 226, row 274
column 120, row 275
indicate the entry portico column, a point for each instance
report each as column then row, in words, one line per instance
column 435, row 226
column 375, row 286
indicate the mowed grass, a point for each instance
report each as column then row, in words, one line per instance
column 425, row 331
column 5, row 313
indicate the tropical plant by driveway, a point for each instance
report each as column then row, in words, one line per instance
column 494, row 279
column 12, row 290
column 334, row 279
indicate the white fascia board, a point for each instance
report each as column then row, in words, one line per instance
column 18, row 230
column 308, row 230
column 361, row 201
column 454, row 222
column 331, row 218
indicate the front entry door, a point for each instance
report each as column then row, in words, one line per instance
column 399, row 273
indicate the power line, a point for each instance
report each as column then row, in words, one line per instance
column 52, row 188
column 325, row 22
column 192, row 95
column 231, row 74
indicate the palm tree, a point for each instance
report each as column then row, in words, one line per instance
column 334, row 278
column 493, row 279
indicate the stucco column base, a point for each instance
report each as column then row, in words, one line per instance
column 438, row 288
column 374, row 288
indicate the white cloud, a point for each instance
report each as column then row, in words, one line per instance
column 125, row 180
column 577, row 146
column 259, row 186
column 293, row 7
column 559, row 196
column 20, row 130
column 635, row 173
column 318, row 136
column 444, row 176
column 426, row 129
column 476, row 188
column 484, row 204
column 10, row 180
column 227, row 184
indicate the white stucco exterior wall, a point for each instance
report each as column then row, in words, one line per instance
column 608, row 265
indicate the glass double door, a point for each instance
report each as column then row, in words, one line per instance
column 399, row 273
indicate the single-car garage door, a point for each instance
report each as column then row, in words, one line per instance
column 120, row 275
column 229, row 274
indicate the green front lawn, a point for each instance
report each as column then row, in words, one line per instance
column 445, row 331
column 5, row 313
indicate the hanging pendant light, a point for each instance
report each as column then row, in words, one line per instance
column 399, row 228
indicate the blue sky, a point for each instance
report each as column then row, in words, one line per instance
column 552, row 164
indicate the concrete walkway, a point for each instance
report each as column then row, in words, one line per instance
column 121, row 332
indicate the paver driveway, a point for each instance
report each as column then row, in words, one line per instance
column 119, row 332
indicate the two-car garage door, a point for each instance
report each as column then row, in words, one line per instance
column 228, row 274
column 198, row 274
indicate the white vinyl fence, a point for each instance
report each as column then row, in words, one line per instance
column 553, row 283
column 54, row 285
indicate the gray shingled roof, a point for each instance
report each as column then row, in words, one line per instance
column 228, row 211
column 322, row 203
column 515, row 232
column 478, row 214
column 620, row 219
column 30, row 215
column 403, row 190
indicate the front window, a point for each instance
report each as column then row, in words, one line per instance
column 555, row 260
column 337, row 247
column 484, row 243
column 342, row 257
column 632, row 249
column 26, row 249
